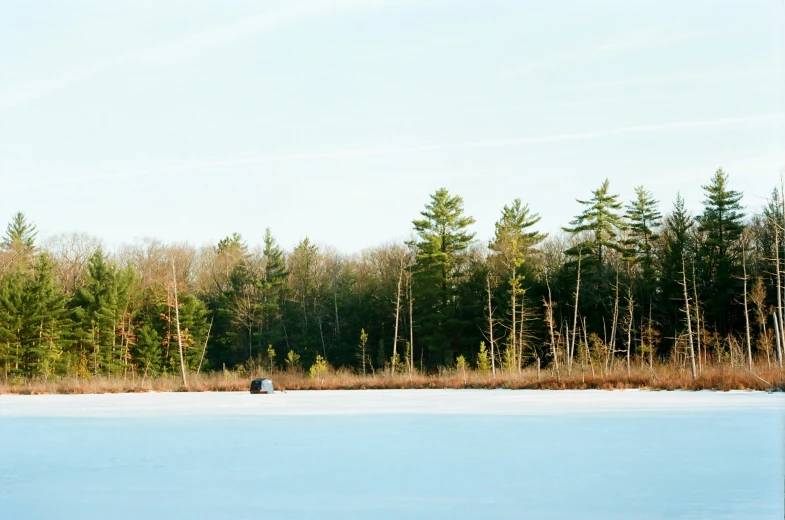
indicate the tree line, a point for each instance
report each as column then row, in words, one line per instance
column 621, row 285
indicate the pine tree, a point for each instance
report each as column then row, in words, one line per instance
column 98, row 307
column 245, row 303
column 677, row 245
column 14, row 322
column 44, row 354
column 272, row 288
column 20, row 234
column 33, row 320
column 512, row 244
column 275, row 271
column 148, row 351
column 720, row 253
column 483, row 359
column 602, row 219
column 644, row 220
column 193, row 330
column 723, row 217
column 443, row 239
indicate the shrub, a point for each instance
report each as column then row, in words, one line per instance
column 483, row 359
column 292, row 360
column 318, row 368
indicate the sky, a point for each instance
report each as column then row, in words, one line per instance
column 189, row 120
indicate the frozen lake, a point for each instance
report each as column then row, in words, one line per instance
column 393, row 454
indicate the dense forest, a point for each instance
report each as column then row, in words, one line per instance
column 623, row 283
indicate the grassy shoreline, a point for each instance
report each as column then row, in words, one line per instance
column 721, row 378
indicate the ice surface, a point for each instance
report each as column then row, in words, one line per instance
column 393, row 454
column 354, row 402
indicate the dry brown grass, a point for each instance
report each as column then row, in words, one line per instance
column 667, row 377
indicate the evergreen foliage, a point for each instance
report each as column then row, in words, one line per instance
column 20, row 234
column 443, row 239
column 602, row 220
column 722, row 224
column 103, row 314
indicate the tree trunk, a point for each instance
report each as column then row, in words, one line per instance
column 779, row 320
column 490, row 325
column 177, row 322
column 689, row 320
column 746, row 313
column 321, row 335
column 588, row 352
column 204, row 350
column 411, row 324
column 549, row 317
column 631, row 306
column 337, row 321
column 779, row 339
column 697, row 318
column 514, row 312
column 571, row 348
column 612, row 345
column 397, row 315
column 520, row 338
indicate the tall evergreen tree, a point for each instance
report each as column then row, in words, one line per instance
column 245, row 302
column 273, row 288
column 148, row 350
column 20, row 234
column 98, row 307
column 14, row 320
column 677, row 250
column 644, row 220
column 443, row 239
column 33, row 320
column 513, row 242
column 602, row 219
column 722, row 224
column 513, row 239
column 44, row 354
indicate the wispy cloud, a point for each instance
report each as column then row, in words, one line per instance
column 757, row 73
column 189, row 46
column 643, row 38
column 25, row 92
column 465, row 145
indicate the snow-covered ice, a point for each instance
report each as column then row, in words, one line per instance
column 393, row 454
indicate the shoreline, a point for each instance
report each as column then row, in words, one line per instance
column 662, row 379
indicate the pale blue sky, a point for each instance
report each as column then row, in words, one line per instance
column 189, row 120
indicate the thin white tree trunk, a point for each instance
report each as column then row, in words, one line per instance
column 779, row 226
column 689, row 320
column 549, row 317
column 571, row 348
column 411, row 324
column 699, row 331
column 567, row 348
column 588, row 352
column 779, row 320
column 779, row 339
column 177, row 322
column 490, row 324
column 397, row 316
column 520, row 338
column 204, row 350
column 612, row 346
column 631, row 306
column 514, row 313
column 746, row 312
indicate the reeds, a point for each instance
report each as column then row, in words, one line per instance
column 664, row 377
